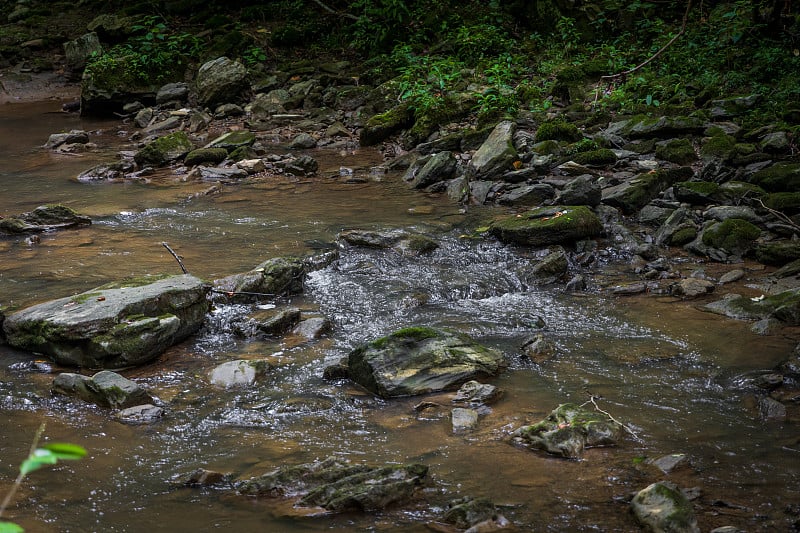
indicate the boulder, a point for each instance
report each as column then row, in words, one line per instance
column 404, row 242
column 548, row 225
column 312, row 328
column 72, row 137
column 733, row 235
column 552, row 267
column 538, row 348
column 279, row 276
column 219, row 174
column 784, row 306
column 106, row 88
column 381, row 126
column 583, row 190
column 632, row 195
column 105, row 388
column 205, row 155
column 428, row 170
column 238, row 373
column 233, row 139
column 78, row 51
column 476, row 394
column 463, row 419
column 692, row 288
column 172, row 92
column 303, row 141
column 221, row 81
column 663, row 127
column 112, row 27
column 419, row 360
column 270, row 322
column 43, row 218
column 112, row 326
column 568, row 430
column 496, row 154
column 467, row 512
column 526, row 195
column 164, row 149
column 664, row 508
column 339, row 486
column 140, row 414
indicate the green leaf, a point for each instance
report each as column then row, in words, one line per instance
column 10, row 527
column 36, row 460
column 66, row 451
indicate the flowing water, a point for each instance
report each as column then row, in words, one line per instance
column 671, row 373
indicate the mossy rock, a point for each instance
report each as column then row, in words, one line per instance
column 696, row 192
column 787, row 202
column 632, row 196
column 233, row 139
column 164, row 149
column 683, row 236
column 643, row 126
column 381, row 126
column 644, row 146
column 777, row 253
column 549, row 147
column 733, row 235
column 678, row 151
column 779, row 177
column 718, row 147
column 558, row 131
column 784, row 306
column 735, row 191
column 600, row 157
column 205, row 155
column 664, row 507
column 548, row 225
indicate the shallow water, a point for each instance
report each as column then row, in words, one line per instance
column 666, row 370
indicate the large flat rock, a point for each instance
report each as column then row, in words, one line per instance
column 111, row 327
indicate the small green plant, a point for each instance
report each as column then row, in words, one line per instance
column 47, row 454
column 253, row 56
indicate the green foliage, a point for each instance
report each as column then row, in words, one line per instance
column 425, row 81
column 154, row 55
column 47, row 454
column 253, row 56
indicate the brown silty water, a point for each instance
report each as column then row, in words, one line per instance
column 674, row 375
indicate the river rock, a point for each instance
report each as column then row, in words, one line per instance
column 221, row 81
column 238, row 373
column 583, row 190
column 105, row 388
column 339, row 486
column 419, row 360
column 538, row 348
column 664, row 508
column 381, row 126
column 205, row 155
column 227, row 174
column 428, row 170
column 279, row 276
column 270, row 322
column 553, row 267
column 78, row 51
column 233, row 139
column 466, row 512
column 313, row 328
column 784, row 306
column 633, row 194
column 530, row 195
column 405, row 242
column 496, row 154
column 43, row 218
column 692, row 288
column 72, row 137
column 140, row 414
column 172, row 92
column 463, row 419
column 568, row 430
column 548, row 225
column 303, row 141
column 164, row 149
column 127, row 324
column 476, row 394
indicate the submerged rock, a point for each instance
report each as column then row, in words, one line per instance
column 127, row 324
column 274, row 277
column 475, row 393
column 548, row 225
column 419, row 360
column 466, row 512
column 105, row 388
column 140, row 414
column 568, row 430
column 339, row 486
column 664, row 508
column 43, row 218
column 238, row 373
column 402, row 241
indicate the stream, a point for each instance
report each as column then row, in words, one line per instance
column 673, row 374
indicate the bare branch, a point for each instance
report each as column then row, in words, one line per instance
column 334, row 12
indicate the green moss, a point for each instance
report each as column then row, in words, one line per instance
column 413, row 333
column 85, row 297
column 718, row 146
column 705, row 188
column 584, row 145
column 678, row 151
column 558, row 131
column 205, row 155
column 137, row 281
column 164, row 149
column 788, row 202
column 779, row 177
column 547, row 147
column 382, row 125
column 778, row 253
column 683, row 236
column 603, row 156
column 641, row 147
column 734, row 235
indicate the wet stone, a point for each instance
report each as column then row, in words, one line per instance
column 668, row 463
column 476, row 393
column 465, row 512
column 140, row 414
column 200, row 478
column 463, row 419
column 664, row 507
column 240, row 373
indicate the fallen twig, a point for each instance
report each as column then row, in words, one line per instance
column 781, row 216
column 178, row 259
column 597, row 407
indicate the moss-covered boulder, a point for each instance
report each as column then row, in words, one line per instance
column 105, row 388
column 233, row 140
column 784, row 306
column 383, row 125
column 719, row 146
column 786, row 202
column 777, row 253
column 558, row 130
column 678, row 151
column 420, row 360
column 568, row 430
column 205, row 155
column 779, row 177
column 43, row 218
column 279, row 276
column 164, row 149
column 634, row 194
column 697, row 192
column 112, row 327
column 663, row 127
column 663, row 507
column 733, row 235
column 109, row 84
column 339, row 486
column 543, row 226
column 600, row 157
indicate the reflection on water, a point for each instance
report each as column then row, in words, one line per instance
column 667, row 371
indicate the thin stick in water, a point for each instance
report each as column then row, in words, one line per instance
column 178, row 259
